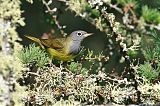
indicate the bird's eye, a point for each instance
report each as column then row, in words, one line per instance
column 79, row 34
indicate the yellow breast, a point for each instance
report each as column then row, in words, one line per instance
column 60, row 56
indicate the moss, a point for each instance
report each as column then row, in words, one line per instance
column 10, row 67
column 33, row 54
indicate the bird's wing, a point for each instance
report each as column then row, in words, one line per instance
column 35, row 40
column 56, row 44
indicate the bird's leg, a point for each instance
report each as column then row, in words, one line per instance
column 63, row 66
column 60, row 66
column 50, row 61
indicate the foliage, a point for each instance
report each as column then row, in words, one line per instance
column 126, row 2
column 151, row 15
column 150, row 69
column 152, row 53
column 54, row 85
column 147, row 71
column 77, row 68
column 33, row 54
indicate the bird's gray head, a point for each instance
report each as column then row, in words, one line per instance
column 79, row 35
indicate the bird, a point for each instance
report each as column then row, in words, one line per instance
column 64, row 49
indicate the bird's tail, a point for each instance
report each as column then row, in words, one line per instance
column 35, row 40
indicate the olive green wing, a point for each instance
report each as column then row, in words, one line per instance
column 57, row 44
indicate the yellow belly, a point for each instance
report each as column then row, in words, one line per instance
column 60, row 56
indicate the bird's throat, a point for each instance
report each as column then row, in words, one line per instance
column 74, row 47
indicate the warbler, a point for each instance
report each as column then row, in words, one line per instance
column 64, row 49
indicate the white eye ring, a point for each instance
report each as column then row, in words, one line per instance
column 79, row 34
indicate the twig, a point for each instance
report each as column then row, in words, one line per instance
column 51, row 12
column 116, row 8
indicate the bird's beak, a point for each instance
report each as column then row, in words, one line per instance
column 88, row 34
